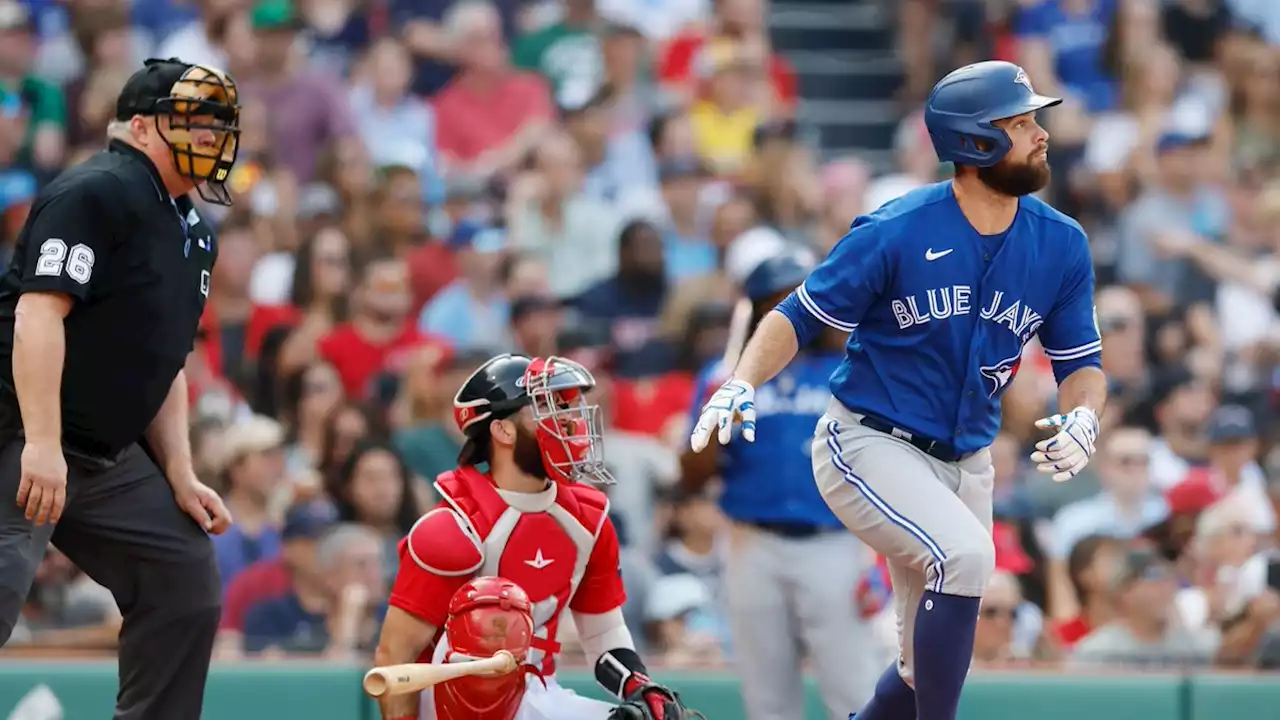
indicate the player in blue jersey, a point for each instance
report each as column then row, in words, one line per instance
column 792, row 571
column 940, row 290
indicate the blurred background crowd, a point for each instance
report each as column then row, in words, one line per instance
column 425, row 183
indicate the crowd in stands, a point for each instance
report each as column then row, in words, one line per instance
column 425, row 183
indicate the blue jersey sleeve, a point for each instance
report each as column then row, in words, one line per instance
column 838, row 292
column 1033, row 21
column 1070, row 334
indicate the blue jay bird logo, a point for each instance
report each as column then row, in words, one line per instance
column 1001, row 374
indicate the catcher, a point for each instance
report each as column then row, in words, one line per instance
column 527, row 538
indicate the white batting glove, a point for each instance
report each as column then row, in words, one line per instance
column 1064, row 455
column 735, row 400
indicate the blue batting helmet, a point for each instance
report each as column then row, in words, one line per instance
column 964, row 105
column 778, row 274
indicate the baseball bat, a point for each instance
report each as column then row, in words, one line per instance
column 739, row 332
column 415, row 677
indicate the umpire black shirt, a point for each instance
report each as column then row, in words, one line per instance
column 138, row 265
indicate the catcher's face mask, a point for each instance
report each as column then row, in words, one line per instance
column 568, row 428
column 202, row 116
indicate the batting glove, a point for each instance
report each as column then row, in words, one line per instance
column 735, row 400
column 1064, row 455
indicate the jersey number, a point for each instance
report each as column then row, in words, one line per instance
column 54, row 257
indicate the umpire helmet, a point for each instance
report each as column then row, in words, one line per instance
column 777, row 275
column 194, row 99
column 963, row 107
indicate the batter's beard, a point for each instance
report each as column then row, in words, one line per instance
column 528, row 456
column 1015, row 179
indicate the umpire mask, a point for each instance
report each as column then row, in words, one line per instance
column 203, row 100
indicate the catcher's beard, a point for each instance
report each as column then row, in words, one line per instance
column 1015, row 178
column 527, row 454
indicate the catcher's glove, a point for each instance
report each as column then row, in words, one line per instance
column 653, row 702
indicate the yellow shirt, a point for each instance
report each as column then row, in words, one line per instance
column 723, row 139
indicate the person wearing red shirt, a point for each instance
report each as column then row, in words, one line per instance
column 489, row 116
column 535, row 520
column 737, row 21
column 380, row 335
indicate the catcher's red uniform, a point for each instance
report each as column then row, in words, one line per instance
column 558, row 545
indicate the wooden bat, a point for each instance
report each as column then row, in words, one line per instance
column 415, row 677
column 739, row 333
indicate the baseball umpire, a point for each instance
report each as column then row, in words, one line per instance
column 940, row 290
column 792, row 570
column 98, row 312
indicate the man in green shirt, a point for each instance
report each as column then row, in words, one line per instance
column 44, row 147
column 567, row 53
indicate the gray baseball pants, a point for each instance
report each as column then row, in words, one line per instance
column 931, row 520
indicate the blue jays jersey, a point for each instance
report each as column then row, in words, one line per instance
column 939, row 315
column 771, row 479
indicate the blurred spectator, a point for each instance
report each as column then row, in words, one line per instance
column 67, row 609
column 676, row 620
column 201, row 40
column 725, row 119
column 320, row 279
column 346, row 425
column 619, row 166
column 270, row 579
column 309, row 396
column 631, row 301
column 397, row 128
column 735, row 22
column 471, row 313
column 660, row 19
column 534, row 320
column 17, row 184
column 380, row 333
column 566, row 53
column 549, row 216
column 428, row 438
column 374, row 488
column 915, row 161
column 44, row 145
column 307, row 111
column 338, row 614
column 996, row 641
column 252, row 474
column 1146, row 632
column 1090, row 568
column 489, row 116
column 634, row 98
column 1181, row 405
column 229, row 307
column 686, row 245
column 1233, row 470
column 845, row 187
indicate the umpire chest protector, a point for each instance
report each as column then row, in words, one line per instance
column 139, row 266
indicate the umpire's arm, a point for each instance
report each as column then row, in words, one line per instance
column 64, row 242
column 167, row 434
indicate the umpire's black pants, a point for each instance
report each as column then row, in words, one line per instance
column 122, row 527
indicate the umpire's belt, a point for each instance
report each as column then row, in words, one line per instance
column 935, row 448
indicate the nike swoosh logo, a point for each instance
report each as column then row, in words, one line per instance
column 931, row 255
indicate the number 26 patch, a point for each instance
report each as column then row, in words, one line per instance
column 56, row 258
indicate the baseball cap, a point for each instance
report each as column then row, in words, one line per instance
column 1192, row 495
column 255, row 434
column 680, row 167
column 529, row 304
column 15, row 16
column 1231, row 423
column 1179, row 139
column 478, row 237
column 1138, row 564
column 274, row 15
column 308, row 520
column 146, row 87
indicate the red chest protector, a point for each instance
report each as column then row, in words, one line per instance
column 540, row 542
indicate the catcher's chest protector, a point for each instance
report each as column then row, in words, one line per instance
column 540, row 542
column 481, row 698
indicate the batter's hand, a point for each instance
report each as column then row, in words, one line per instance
column 735, row 400
column 43, row 489
column 1064, row 455
column 204, row 505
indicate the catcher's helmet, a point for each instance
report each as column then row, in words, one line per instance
column 568, row 430
column 774, row 276
column 963, row 106
column 196, row 99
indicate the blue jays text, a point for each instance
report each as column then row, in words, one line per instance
column 939, row 315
